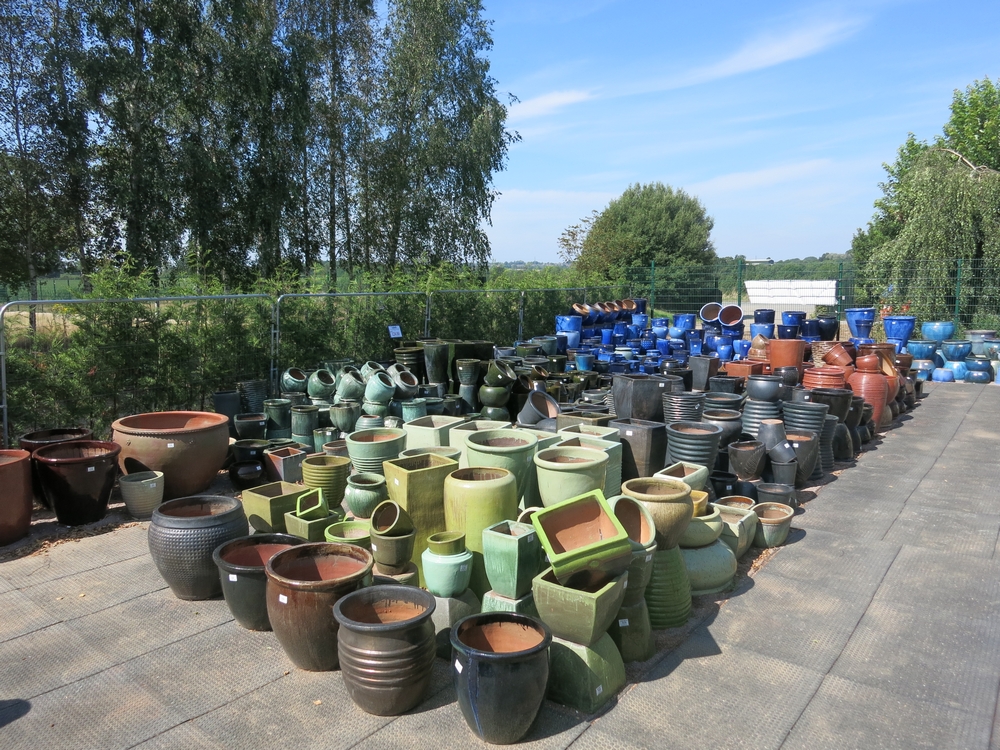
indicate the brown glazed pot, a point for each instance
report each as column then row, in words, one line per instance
column 15, row 497
column 386, row 644
column 32, row 441
column 786, row 353
column 871, row 385
column 189, row 447
column 303, row 585
column 77, row 477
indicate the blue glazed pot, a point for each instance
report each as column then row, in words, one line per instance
column 829, row 325
column 898, row 343
column 978, row 364
column 741, row 347
column 711, row 342
column 709, row 312
column 584, row 361
column 640, row 320
column 561, row 343
column 763, row 316
column 923, row 368
column 762, row 329
column 975, row 376
column 977, row 338
column 734, row 332
column 921, row 349
column 569, row 323
column 956, row 351
column 941, row 375
column 809, row 327
column 858, row 341
column 693, row 335
column 621, row 328
column 938, row 330
column 793, row 317
column 788, row 331
column 572, row 340
column 663, row 346
column 681, row 355
column 660, row 331
column 725, row 351
column 696, row 347
column 860, row 321
column 991, row 348
column 607, row 335
column 899, row 327
column 958, row 368
column 640, row 304
column 684, row 321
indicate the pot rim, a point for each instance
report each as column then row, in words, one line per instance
column 140, row 476
column 778, row 506
column 111, row 452
column 329, row 548
column 124, row 424
column 682, row 489
column 486, row 618
column 421, row 597
column 476, row 436
column 593, row 456
column 160, row 518
column 39, row 436
column 254, row 540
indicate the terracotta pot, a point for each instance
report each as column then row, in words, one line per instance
column 189, row 447
column 386, row 647
column 786, row 353
column 823, row 377
column 77, row 478
column 32, row 441
column 15, row 502
column 668, row 502
column 303, row 585
column 182, row 537
column 873, row 388
column 501, row 672
column 241, row 570
column 838, row 355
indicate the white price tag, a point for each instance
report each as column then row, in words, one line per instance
column 170, row 445
column 662, row 384
column 623, row 623
column 374, row 548
column 232, row 577
column 628, row 433
column 600, row 689
column 463, row 568
column 91, row 468
column 396, row 481
column 795, row 445
column 649, row 557
column 152, row 485
column 282, row 598
column 458, row 666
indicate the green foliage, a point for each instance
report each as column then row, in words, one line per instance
column 974, row 126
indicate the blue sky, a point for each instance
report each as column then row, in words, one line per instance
column 777, row 115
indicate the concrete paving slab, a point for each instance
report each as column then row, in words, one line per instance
column 945, row 528
column 922, row 652
column 21, row 615
column 45, row 660
column 707, row 694
column 186, row 736
column 5, row 585
column 859, row 519
column 846, row 715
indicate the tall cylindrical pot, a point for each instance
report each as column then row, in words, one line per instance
column 15, row 498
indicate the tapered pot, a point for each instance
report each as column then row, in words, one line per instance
column 638, row 396
column 668, row 502
column 786, row 352
column 539, row 405
column 183, row 535
column 565, row 472
column 703, row 368
column 512, row 450
column 32, row 441
column 189, row 447
column 693, row 442
column 501, row 671
column 643, row 446
column 774, row 522
column 142, row 492
column 436, row 361
column 77, row 478
column 15, row 500
column 806, row 445
column 580, row 615
column 250, row 426
column 446, row 564
column 369, row 448
column 241, row 571
column 730, row 422
column 746, row 459
column 513, row 556
column 838, row 399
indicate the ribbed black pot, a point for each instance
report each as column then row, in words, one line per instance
column 838, row 399
column 183, row 535
column 746, row 459
column 679, row 406
column 804, row 415
column 77, row 477
column 32, row 441
column 500, row 662
column 386, row 644
column 717, row 400
column 694, row 442
column 244, row 582
column 228, row 403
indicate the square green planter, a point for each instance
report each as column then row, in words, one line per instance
column 579, row 615
column 266, row 506
column 493, row 602
column 584, row 541
column 430, row 431
column 513, row 557
column 592, row 430
column 311, row 531
column 570, row 418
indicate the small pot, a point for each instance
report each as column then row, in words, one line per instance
column 773, row 524
column 142, row 493
column 389, row 519
column 357, row 533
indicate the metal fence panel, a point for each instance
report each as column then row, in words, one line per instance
column 483, row 315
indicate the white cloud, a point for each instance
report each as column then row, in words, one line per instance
column 546, row 104
column 740, row 181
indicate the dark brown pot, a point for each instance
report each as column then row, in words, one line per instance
column 386, row 644
column 15, row 496
column 644, row 446
column 303, row 585
column 639, row 396
column 32, row 441
column 77, row 477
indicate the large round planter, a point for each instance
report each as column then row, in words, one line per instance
column 369, row 448
column 937, row 331
column 142, row 493
column 304, row 584
column 32, row 441
column 773, row 523
column 293, row 380
column 182, row 537
column 15, row 501
column 694, row 442
column 322, row 384
column 501, row 670
column 668, row 502
column 475, row 499
column 77, row 478
column 512, row 450
column 364, row 492
column 565, row 472
column 872, row 387
column 241, row 571
column 189, row 447
column 446, row 575
column 703, row 530
column 386, row 647
column 710, row 568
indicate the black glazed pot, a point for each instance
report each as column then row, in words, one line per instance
column 746, row 459
column 500, row 663
column 764, row 387
column 241, row 572
column 729, row 420
column 723, row 483
column 77, row 477
column 249, row 450
column 184, row 533
column 724, row 384
column 32, row 441
column 777, row 493
column 247, row 474
column 250, row 426
column 838, row 399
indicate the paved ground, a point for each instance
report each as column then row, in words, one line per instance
column 878, row 625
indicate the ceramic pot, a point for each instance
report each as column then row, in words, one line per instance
column 189, row 447
column 249, row 450
column 364, row 493
column 369, row 368
column 764, row 387
column 304, row 583
column 321, row 384
column 380, row 388
column 447, row 564
column 806, row 445
column 501, row 672
column 77, row 478
column 386, row 647
column 739, row 526
column 683, row 406
column 182, row 537
column 838, row 400
column 15, row 503
column 746, row 459
column 142, row 492
column 774, row 522
column 860, row 321
column 512, row 450
column 768, row 492
column 668, row 502
column 513, row 556
column 250, row 426
column 583, row 539
column 405, row 384
column 693, row 442
column 723, row 483
column 668, row 595
column 305, row 419
column 357, row 533
column 786, row 352
column 703, row 368
column 351, row 386
column 872, row 387
column 369, row 448
column 565, row 472
column 436, row 361
column 638, row 396
column 326, row 473
column 228, row 403
column 693, row 475
column 293, row 380
column 703, row 529
column 539, row 406
column 31, row 441
column 574, row 614
column 468, row 371
column 643, row 446
column 241, row 571
column 710, row 568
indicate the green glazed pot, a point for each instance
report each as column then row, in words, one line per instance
column 305, row 419
column 513, row 557
column 668, row 502
column 369, row 448
column 738, row 529
column 279, row 417
column 668, row 594
column 429, row 431
column 468, row 371
column 413, row 409
column 512, row 450
column 565, row 472
column 380, row 388
column 693, row 475
column 389, row 519
column 703, row 530
column 351, row 386
column 499, row 374
column 585, row 677
column 392, row 553
column 375, row 408
column 293, row 380
column 574, row 614
column 349, row 532
column 710, row 568
column 446, row 575
column 322, row 384
column 368, row 369
column 613, row 478
column 344, row 416
column 494, row 396
column 632, row 632
column 446, row 543
column 475, row 499
column 364, row 492
column 774, row 520
column 311, row 506
column 444, row 451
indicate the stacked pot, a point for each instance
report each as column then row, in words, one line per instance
column 710, row 563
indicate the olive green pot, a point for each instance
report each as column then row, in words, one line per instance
column 357, row 533
column 392, row 553
column 632, row 632
column 364, row 492
column 738, row 528
column 266, row 506
column 574, row 614
column 584, row 678
column 703, row 530
column 475, row 499
column 613, row 478
column 458, row 433
column 512, row 450
column 693, row 475
column 369, row 448
column 565, row 472
column 513, row 557
column 311, row 531
column 668, row 502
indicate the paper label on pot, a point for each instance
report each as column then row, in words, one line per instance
column 463, row 568
column 662, row 384
column 396, row 481
column 628, row 433
column 795, row 445
column 262, row 423
column 91, row 468
column 600, row 689
column 282, row 598
column 458, row 666
column 374, row 548
column 152, row 485
column 649, row 557
column 623, row 623
column 170, row 445
column 232, row 577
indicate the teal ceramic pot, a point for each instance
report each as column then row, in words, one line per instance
column 344, row 416
column 351, row 386
column 322, row 384
column 368, row 369
column 375, row 408
column 710, row 568
column 364, row 492
column 513, row 557
column 773, row 523
column 406, row 384
column 437, row 358
column 279, row 417
column 446, row 575
column 294, row 380
column 380, row 388
column 305, row 419
column 414, row 409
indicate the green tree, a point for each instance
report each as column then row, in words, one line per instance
column 647, row 223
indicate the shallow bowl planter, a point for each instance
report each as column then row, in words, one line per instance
column 703, row 530
column 773, row 523
column 142, row 493
column 565, row 472
column 349, row 532
column 668, row 502
column 77, row 478
column 581, row 615
column 241, row 570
